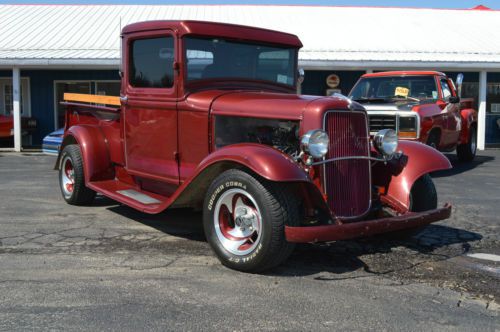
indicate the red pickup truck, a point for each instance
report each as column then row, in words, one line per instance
column 423, row 106
column 209, row 118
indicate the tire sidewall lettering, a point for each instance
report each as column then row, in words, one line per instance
column 221, row 188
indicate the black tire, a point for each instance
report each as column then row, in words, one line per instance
column 271, row 205
column 467, row 151
column 423, row 197
column 433, row 139
column 76, row 193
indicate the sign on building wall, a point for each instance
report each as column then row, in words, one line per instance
column 333, row 81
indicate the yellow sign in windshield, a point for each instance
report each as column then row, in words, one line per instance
column 400, row 91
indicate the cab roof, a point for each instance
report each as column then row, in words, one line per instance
column 405, row 73
column 215, row 29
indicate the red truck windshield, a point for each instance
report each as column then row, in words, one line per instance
column 388, row 88
column 225, row 59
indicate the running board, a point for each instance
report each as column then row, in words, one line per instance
column 138, row 196
column 130, row 195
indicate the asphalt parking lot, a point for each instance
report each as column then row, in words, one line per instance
column 110, row 267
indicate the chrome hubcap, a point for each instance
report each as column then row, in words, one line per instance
column 237, row 220
column 67, row 176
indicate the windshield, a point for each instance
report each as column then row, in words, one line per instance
column 220, row 58
column 415, row 88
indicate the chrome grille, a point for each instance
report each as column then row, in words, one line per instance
column 379, row 122
column 347, row 182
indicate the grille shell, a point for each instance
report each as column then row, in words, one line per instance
column 348, row 182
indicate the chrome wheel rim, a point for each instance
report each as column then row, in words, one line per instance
column 67, row 176
column 237, row 222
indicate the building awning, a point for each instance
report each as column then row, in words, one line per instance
column 83, row 35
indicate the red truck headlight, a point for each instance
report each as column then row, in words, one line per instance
column 315, row 143
column 386, row 142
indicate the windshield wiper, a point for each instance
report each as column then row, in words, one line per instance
column 406, row 98
column 371, row 100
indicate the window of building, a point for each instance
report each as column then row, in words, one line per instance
column 7, row 97
column 107, row 88
column 151, row 63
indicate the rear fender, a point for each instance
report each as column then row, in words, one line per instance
column 418, row 159
column 469, row 119
column 95, row 152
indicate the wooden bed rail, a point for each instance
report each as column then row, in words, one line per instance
column 95, row 99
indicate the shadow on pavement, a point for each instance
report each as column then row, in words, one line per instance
column 459, row 167
column 340, row 257
column 184, row 223
column 343, row 257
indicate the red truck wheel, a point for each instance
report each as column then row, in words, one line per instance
column 467, row 151
column 71, row 177
column 244, row 219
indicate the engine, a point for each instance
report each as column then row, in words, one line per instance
column 280, row 134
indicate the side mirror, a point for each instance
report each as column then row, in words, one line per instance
column 454, row 99
column 458, row 84
column 300, row 76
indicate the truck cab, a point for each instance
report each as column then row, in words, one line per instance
column 209, row 118
column 423, row 106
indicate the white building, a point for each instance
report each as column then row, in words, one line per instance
column 46, row 50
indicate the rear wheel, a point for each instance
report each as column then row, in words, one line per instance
column 71, row 177
column 244, row 219
column 467, row 151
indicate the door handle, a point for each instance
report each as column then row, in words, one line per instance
column 124, row 99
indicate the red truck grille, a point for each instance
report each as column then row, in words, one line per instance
column 347, row 182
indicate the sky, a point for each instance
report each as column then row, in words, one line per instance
column 494, row 4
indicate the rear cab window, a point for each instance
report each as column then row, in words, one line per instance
column 151, row 62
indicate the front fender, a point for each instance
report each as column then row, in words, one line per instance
column 420, row 159
column 265, row 161
column 95, row 153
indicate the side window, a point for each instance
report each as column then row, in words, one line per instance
column 151, row 63
column 445, row 88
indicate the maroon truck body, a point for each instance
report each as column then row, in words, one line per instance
column 432, row 111
column 205, row 142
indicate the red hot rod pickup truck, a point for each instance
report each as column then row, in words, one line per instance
column 209, row 118
column 422, row 106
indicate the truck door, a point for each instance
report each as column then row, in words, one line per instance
column 149, row 106
column 452, row 121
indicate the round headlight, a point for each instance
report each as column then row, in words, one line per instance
column 386, row 142
column 315, row 143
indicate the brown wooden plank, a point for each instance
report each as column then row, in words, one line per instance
column 96, row 99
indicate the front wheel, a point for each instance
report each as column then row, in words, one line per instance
column 244, row 219
column 467, row 151
column 423, row 197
